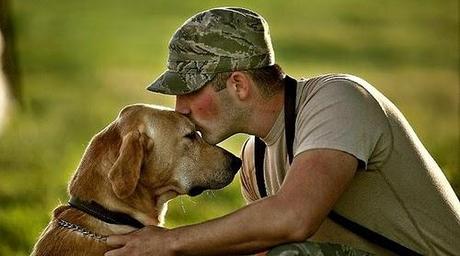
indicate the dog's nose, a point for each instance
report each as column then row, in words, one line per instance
column 235, row 163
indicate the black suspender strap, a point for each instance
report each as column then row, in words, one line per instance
column 290, row 87
column 259, row 155
column 370, row 235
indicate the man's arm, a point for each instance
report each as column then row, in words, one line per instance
column 314, row 183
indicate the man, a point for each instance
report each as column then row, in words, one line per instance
column 353, row 153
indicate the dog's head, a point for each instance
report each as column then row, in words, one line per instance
column 161, row 150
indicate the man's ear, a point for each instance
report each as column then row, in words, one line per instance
column 240, row 83
column 125, row 173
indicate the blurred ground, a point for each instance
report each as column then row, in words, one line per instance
column 82, row 61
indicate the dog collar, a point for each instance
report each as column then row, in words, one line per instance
column 86, row 233
column 98, row 211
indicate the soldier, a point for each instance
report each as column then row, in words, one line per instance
column 332, row 160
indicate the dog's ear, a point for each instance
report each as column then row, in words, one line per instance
column 125, row 173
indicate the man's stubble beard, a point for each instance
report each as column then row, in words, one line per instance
column 230, row 122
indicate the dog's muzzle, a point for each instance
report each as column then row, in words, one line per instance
column 235, row 165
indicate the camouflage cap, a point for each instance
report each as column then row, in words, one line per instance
column 214, row 41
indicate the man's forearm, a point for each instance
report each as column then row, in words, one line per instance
column 252, row 229
column 313, row 184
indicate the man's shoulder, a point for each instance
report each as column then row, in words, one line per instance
column 333, row 77
column 337, row 85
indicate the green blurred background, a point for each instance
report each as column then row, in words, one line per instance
column 82, row 61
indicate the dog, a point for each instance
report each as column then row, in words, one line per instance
column 128, row 173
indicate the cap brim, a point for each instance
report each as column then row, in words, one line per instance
column 168, row 83
column 171, row 83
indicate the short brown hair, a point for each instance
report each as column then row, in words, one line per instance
column 268, row 79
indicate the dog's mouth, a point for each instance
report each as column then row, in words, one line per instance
column 194, row 191
column 220, row 181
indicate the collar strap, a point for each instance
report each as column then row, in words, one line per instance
column 98, row 211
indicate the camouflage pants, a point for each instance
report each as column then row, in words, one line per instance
column 315, row 249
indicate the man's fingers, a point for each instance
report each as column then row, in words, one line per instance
column 117, row 241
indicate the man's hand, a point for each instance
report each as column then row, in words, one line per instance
column 146, row 241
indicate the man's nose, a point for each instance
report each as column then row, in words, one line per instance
column 182, row 105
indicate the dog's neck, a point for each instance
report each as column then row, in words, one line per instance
column 138, row 209
column 98, row 211
column 101, row 221
column 90, row 183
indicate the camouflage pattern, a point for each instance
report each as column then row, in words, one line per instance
column 315, row 249
column 213, row 41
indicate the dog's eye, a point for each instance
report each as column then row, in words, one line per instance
column 192, row 135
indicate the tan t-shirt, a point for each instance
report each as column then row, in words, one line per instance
column 398, row 191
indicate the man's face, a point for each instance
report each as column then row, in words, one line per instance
column 208, row 110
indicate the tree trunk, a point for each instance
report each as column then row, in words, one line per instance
column 8, row 54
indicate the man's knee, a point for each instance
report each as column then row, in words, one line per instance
column 314, row 248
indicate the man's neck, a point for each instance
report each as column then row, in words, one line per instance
column 265, row 114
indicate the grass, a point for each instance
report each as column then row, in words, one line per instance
column 82, row 61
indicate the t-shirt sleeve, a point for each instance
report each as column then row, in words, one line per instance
column 340, row 115
column 248, row 185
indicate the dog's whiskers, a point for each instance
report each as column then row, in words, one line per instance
column 182, row 205
column 212, row 193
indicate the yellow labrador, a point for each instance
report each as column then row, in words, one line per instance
column 128, row 172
